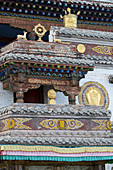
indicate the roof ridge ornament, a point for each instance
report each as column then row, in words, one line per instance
column 40, row 31
column 22, row 36
column 70, row 20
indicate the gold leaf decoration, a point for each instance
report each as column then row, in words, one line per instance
column 61, row 124
column 102, row 125
column 103, row 50
column 15, row 123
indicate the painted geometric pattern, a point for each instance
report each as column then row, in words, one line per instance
column 93, row 93
column 102, row 125
column 103, row 50
column 16, row 123
column 61, row 124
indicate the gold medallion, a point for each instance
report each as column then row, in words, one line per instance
column 81, row 48
column 93, row 93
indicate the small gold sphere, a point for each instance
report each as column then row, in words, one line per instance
column 51, row 101
column 81, row 48
column 51, row 94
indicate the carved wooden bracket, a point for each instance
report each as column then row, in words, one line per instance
column 22, row 83
column 68, row 89
column 72, row 92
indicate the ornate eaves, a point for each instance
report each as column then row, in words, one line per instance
column 82, row 33
column 101, row 3
column 54, row 110
column 36, row 138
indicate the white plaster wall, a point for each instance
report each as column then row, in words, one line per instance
column 61, row 98
column 6, row 97
column 101, row 75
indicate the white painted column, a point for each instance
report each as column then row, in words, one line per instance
column 108, row 166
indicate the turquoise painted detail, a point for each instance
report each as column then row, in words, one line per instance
column 53, row 158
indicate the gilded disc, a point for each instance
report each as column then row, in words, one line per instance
column 81, row 48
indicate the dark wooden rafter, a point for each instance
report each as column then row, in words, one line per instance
column 28, row 24
column 56, row 7
column 26, row 15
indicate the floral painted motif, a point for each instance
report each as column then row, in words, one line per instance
column 103, row 50
column 102, row 125
column 15, row 123
column 61, row 124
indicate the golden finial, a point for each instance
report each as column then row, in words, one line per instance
column 40, row 31
column 70, row 20
column 78, row 13
column 69, row 10
column 52, row 96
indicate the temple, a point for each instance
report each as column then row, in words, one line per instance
column 56, row 85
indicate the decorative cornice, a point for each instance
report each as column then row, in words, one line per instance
column 39, row 51
column 22, row 124
column 101, row 3
column 99, row 11
column 99, row 59
column 54, row 110
column 82, row 33
column 33, row 138
column 45, row 59
column 26, row 22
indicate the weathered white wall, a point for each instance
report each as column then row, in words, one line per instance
column 6, row 97
column 61, row 98
column 101, row 75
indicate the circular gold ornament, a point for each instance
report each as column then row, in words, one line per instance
column 40, row 31
column 11, row 123
column 93, row 93
column 51, row 101
column 81, row 48
column 51, row 94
